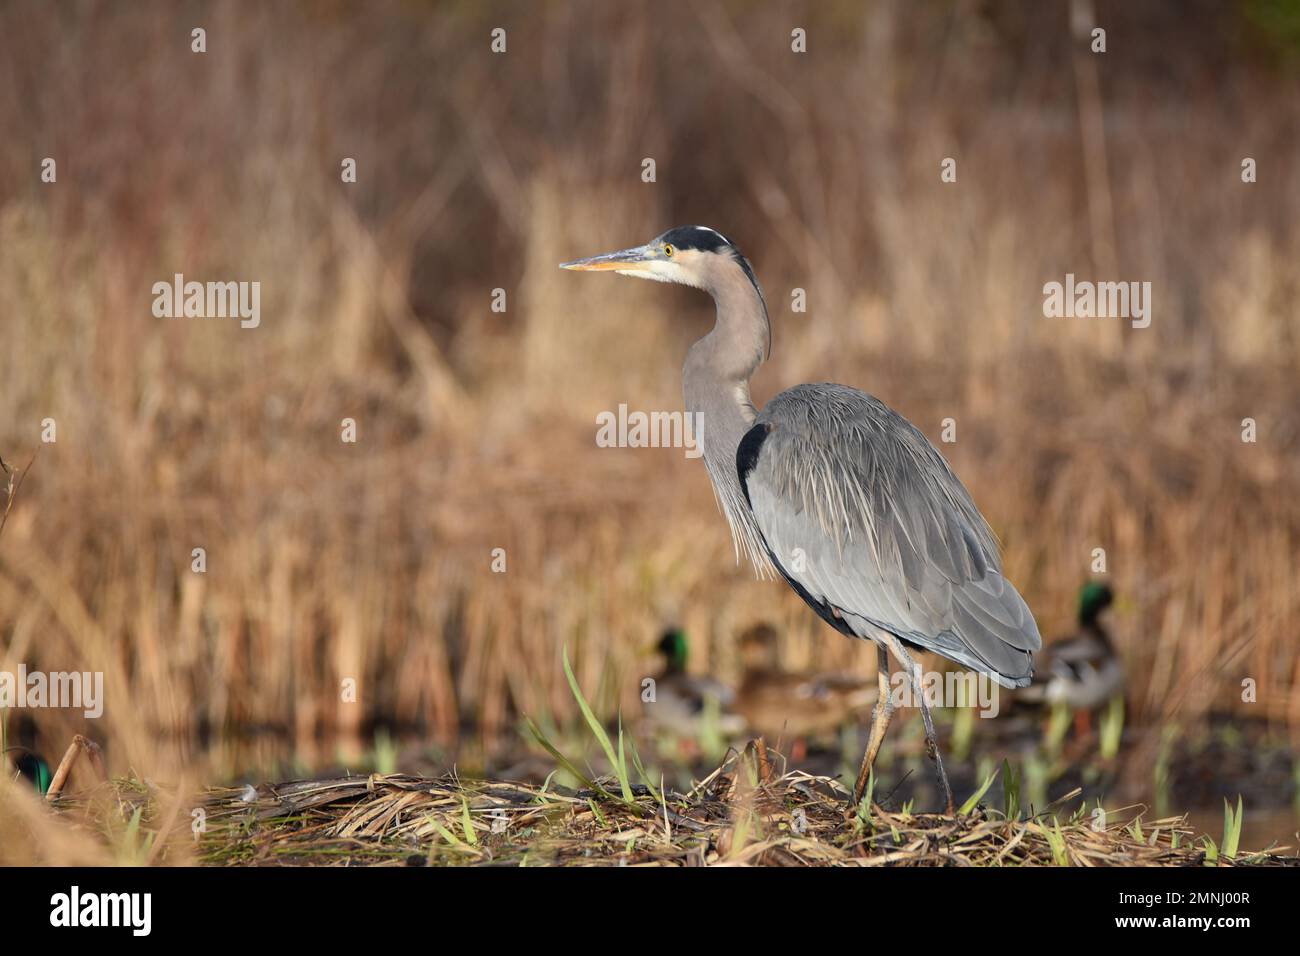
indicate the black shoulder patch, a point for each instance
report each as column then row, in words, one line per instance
column 747, row 454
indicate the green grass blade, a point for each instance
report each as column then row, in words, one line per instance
column 624, row 778
column 1058, row 725
column 978, row 795
column 1211, row 852
column 864, row 805
column 1112, row 728
column 467, row 823
column 455, row 842
column 1056, row 840
column 597, row 729
column 1010, row 791
column 562, row 760
column 1231, row 828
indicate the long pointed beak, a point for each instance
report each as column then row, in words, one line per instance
column 626, row 260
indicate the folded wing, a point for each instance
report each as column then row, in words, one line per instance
column 869, row 524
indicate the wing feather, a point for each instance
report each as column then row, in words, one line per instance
column 859, row 510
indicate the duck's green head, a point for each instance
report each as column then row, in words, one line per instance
column 673, row 648
column 1094, row 598
column 36, row 770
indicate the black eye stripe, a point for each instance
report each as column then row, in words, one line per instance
column 704, row 239
column 695, row 237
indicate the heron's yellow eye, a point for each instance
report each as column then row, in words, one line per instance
column 668, row 250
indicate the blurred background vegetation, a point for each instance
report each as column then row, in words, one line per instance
column 329, row 561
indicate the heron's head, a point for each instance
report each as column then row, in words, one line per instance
column 688, row 255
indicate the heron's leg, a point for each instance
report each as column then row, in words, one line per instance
column 881, row 714
column 913, row 669
column 931, row 739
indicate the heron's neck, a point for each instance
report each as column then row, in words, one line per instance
column 715, row 383
column 718, row 366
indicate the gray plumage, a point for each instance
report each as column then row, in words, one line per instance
column 861, row 511
column 837, row 493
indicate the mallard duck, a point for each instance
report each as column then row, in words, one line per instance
column 792, row 706
column 1082, row 670
column 32, row 766
column 683, row 703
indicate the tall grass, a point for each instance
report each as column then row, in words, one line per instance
column 329, row 562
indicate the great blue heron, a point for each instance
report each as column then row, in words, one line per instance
column 839, row 494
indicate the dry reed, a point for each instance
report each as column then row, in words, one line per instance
column 329, row 562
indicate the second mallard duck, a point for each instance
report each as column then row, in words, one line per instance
column 1083, row 670
column 791, row 706
column 683, row 704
